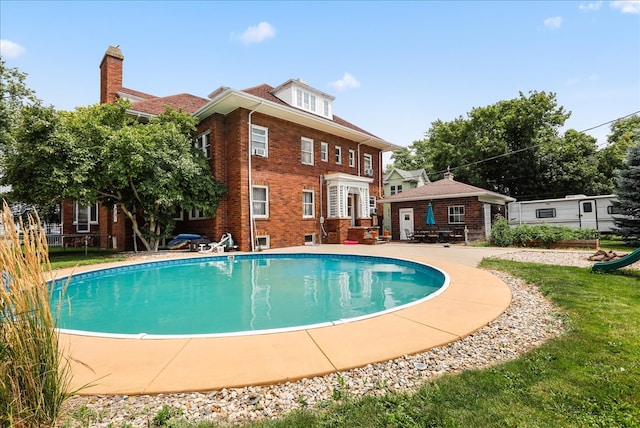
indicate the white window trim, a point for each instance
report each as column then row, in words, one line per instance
column 338, row 155
column 267, row 241
column 266, row 208
column 458, row 214
column 324, row 152
column 352, row 158
column 89, row 215
column 205, row 148
column 196, row 214
column 312, row 204
column 257, row 151
column 115, row 213
column 367, row 159
column 308, row 141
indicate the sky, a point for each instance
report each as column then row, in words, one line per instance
column 393, row 67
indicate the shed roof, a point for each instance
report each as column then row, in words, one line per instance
column 445, row 189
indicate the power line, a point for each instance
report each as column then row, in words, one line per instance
column 530, row 147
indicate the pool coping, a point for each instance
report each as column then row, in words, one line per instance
column 107, row 366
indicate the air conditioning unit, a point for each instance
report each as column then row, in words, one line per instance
column 368, row 172
column 260, row 152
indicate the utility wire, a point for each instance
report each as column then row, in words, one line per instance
column 530, row 147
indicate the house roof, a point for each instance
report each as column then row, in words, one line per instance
column 224, row 100
column 445, row 189
column 413, row 175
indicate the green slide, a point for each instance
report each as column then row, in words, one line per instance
column 616, row 264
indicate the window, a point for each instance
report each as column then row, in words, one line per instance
column 352, row 158
column 178, row 215
column 305, row 100
column 614, row 210
column 372, row 206
column 84, row 216
column 456, row 214
column 587, row 207
column 309, row 239
column 396, row 189
column 308, row 210
column 203, row 143
column 307, row 151
column 196, row 214
column 325, row 107
column 259, row 141
column 368, row 165
column 545, row 213
column 115, row 213
column 324, row 152
column 260, row 201
column 262, row 242
column 338, row 154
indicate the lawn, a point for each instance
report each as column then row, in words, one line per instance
column 70, row 257
column 588, row 377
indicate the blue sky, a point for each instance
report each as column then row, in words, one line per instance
column 394, row 67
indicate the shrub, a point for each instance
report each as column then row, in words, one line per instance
column 501, row 232
column 33, row 375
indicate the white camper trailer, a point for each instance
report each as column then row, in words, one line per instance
column 575, row 211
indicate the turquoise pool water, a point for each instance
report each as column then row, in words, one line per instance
column 239, row 294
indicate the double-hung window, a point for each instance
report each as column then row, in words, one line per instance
column 307, row 204
column 352, row 158
column 307, row 151
column 324, row 152
column 196, row 214
column 259, row 141
column 84, row 216
column 456, row 214
column 338, row 155
column 203, row 142
column 396, row 189
column 367, row 162
column 260, row 196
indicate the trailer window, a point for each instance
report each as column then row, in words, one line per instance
column 587, row 207
column 614, row 210
column 545, row 213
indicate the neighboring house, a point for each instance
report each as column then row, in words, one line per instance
column 398, row 181
column 455, row 205
column 295, row 173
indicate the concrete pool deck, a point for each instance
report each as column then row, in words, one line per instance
column 148, row 366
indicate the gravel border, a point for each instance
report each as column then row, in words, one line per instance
column 529, row 320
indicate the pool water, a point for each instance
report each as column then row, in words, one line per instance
column 239, row 294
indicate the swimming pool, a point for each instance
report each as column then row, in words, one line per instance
column 239, row 294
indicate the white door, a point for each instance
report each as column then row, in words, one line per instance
column 406, row 222
column 588, row 218
column 487, row 220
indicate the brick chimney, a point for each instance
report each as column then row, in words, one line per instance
column 111, row 74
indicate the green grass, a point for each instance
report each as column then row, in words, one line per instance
column 71, row 257
column 588, row 377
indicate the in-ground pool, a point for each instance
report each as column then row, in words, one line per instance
column 239, row 294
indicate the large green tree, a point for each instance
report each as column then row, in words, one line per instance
column 512, row 147
column 14, row 93
column 628, row 192
column 611, row 158
column 99, row 154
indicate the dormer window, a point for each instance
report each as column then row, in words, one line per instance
column 297, row 93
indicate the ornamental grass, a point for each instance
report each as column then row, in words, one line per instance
column 34, row 374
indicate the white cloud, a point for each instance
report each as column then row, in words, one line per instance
column 9, row 49
column 582, row 79
column 553, row 23
column 347, row 82
column 588, row 7
column 627, row 6
column 258, row 33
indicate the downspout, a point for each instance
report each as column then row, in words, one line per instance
column 368, row 213
column 323, row 233
column 250, row 177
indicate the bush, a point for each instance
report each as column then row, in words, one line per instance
column 501, row 232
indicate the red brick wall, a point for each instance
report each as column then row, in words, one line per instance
column 110, row 75
column 474, row 216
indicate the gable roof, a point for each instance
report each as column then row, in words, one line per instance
column 445, row 189
column 413, row 175
column 260, row 98
column 154, row 106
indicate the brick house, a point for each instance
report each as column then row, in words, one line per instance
column 295, row 173
column 397, row 181
column 455, row 205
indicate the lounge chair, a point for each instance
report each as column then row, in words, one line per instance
column 411, row 237
column 217, row 247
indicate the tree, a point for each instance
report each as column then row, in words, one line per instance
column 611, row 159
column 628, row 193
column 14, row 94
column 511, row 147
column 99, row 154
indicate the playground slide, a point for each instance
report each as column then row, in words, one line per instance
column 616, row 264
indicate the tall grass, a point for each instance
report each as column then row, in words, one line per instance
column 34, row 375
